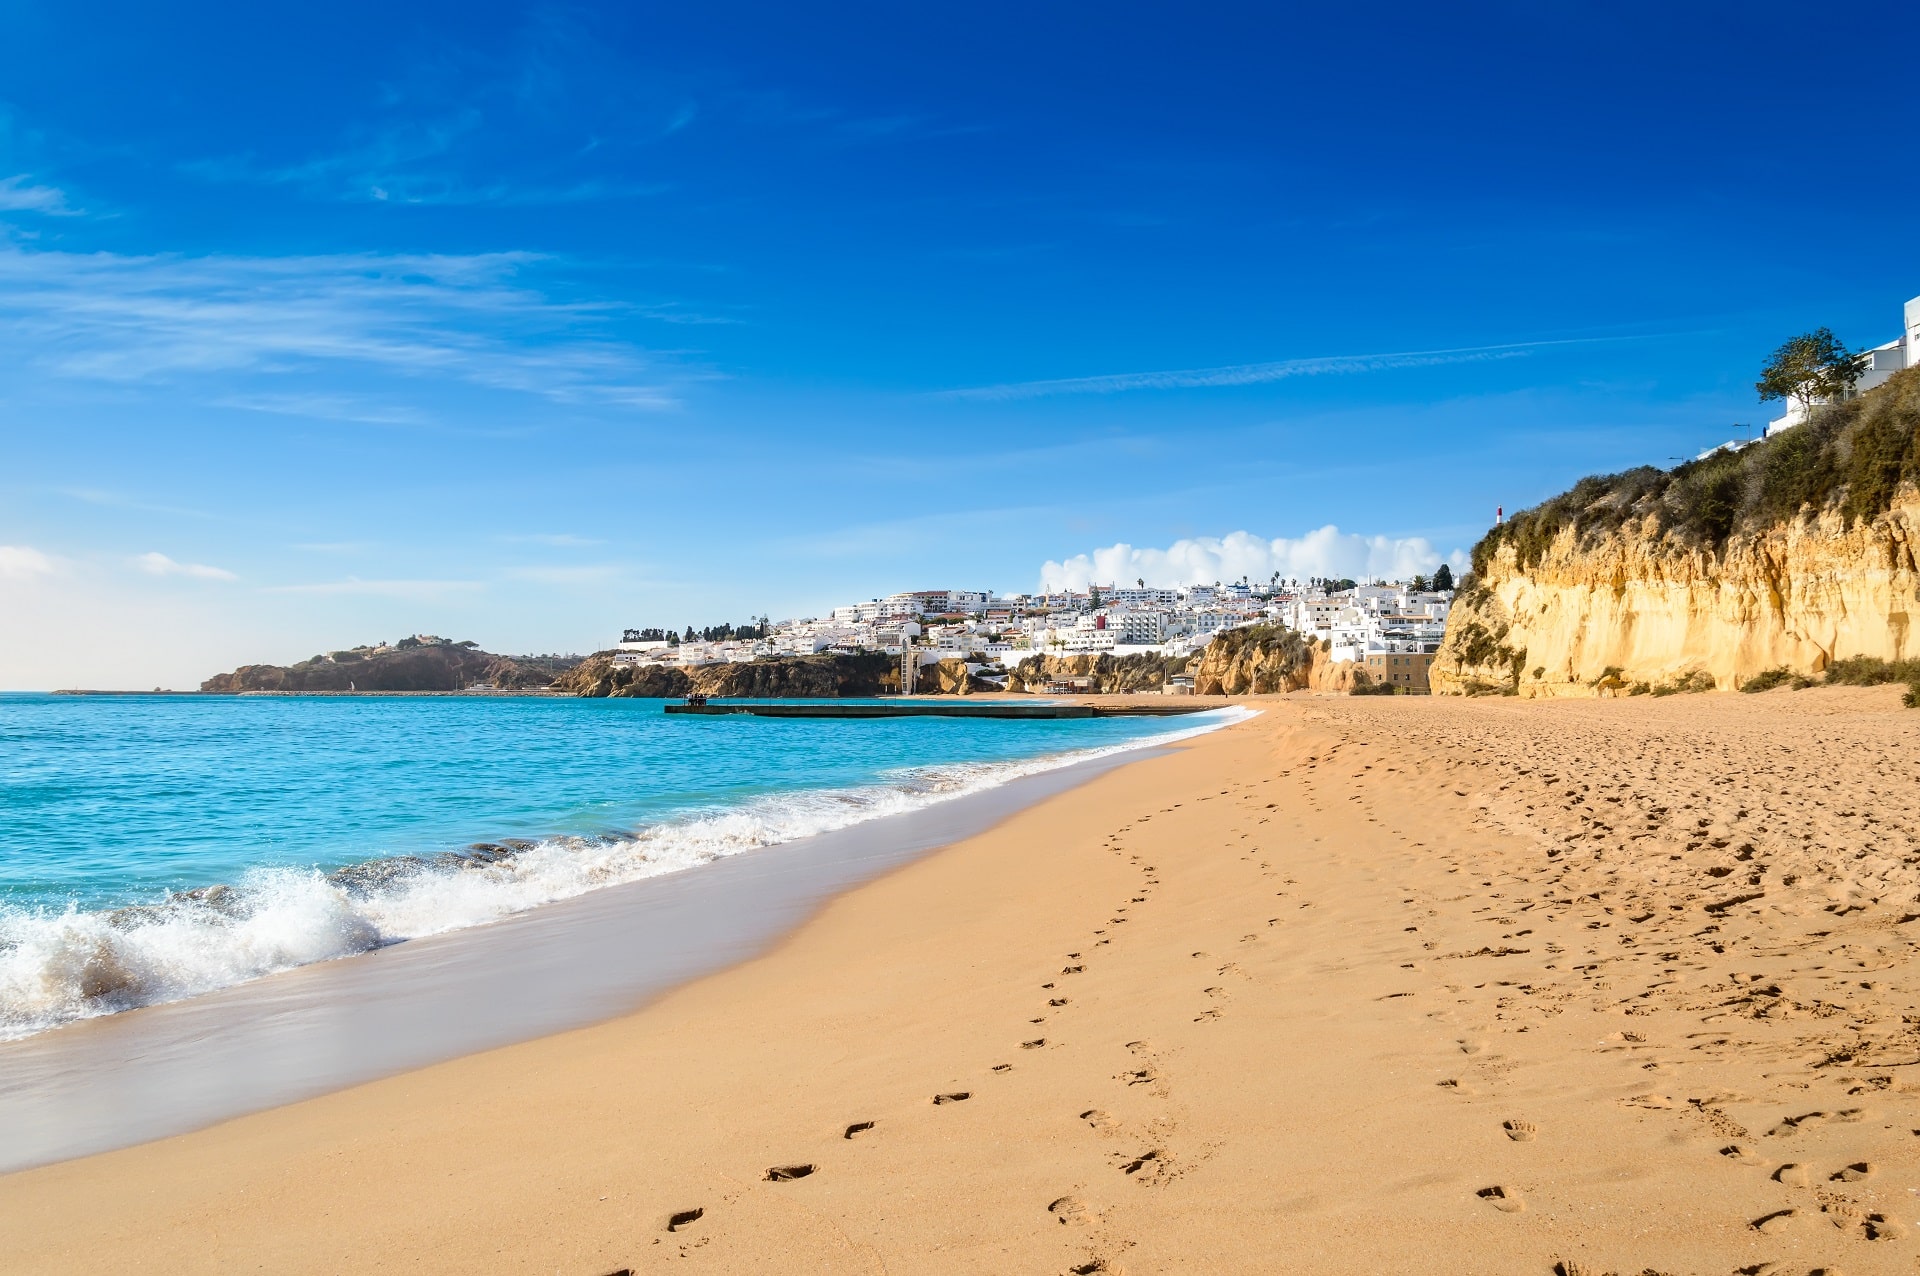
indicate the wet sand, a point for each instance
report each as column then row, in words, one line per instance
column 1362, row 985
column 127, row 1078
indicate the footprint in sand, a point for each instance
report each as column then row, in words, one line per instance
column 1745, row 1156
column 1003, row 1067
column 788, row 1173
column 1504, row 1199
column 684, row 1218
column 1071, row 1210
column 1775, row 1223
column 1791, row 1175
column 957, row 1096
column 1521, row 1131
column 858, row 1127
column 1844, row 1216
column 1206, row 1016
column 1574, row 1267
column 1855, row 1173
column 1036, row 1044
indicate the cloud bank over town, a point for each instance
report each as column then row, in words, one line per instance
column 1198, row 560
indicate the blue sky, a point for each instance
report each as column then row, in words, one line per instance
column 527, row 322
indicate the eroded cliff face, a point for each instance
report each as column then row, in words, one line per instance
column 868, row 674
column 1112, row 675
column 1637, row 608
column 1268, row 659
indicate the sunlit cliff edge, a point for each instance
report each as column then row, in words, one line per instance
column 1791, row 553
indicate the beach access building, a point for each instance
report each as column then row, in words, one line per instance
column 1401, row 662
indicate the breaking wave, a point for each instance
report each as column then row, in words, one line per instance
column 60, row 966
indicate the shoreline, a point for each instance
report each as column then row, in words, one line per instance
column 110, row 1081
column 1360, row 985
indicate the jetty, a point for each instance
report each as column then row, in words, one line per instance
column 930, row 709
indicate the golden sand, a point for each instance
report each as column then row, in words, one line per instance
column 1363, row 985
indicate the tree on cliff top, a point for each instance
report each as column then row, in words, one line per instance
column 1811, row 367
column 1443, row 579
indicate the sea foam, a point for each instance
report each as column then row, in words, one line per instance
column 61, row 966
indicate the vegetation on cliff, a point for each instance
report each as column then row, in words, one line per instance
column 408, row 666
column 1254, row 659
column 1793, row 554
column 1850, row 457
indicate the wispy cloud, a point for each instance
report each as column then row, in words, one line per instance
column 592, row 574
column 326, row 407
column 118, row 500
column 382, row 588
column 156, row 564
column 20, row 194
column 557, row 539
column 1258, row 373
column 22, row 562
column 471, row 318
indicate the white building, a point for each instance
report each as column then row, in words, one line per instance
column 1879, row 363
column 1138, row 626
column 1145, row 597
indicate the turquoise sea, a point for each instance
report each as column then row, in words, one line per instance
column 156, row 847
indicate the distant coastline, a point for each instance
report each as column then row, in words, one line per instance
column 479, row 692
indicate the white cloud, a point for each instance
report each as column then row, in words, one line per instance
column 474, row 318
column 1202, row 560
column 161, row 565
column 20, row 562
column 18, row 194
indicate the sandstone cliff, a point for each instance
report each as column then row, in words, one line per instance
column 1267, row 658
column 869, row 674
column 445, row 667
column 1790, row 554
column 1112, row 675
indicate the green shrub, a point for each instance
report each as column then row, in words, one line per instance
column 1769, row 679
column 1871, row 671
column 1853, row 456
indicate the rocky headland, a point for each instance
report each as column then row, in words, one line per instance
column 1777, row 561
column 410, row 666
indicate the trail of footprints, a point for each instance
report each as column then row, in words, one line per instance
column 1142, row 1154
column 1151, row 1164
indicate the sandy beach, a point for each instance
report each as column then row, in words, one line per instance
column 1360, row 985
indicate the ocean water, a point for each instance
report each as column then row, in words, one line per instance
column 154, row 848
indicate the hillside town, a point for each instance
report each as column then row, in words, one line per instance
column 1397, row 624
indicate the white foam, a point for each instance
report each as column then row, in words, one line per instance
column 57, row 967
